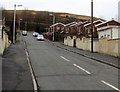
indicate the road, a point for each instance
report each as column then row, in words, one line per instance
column 58, row 69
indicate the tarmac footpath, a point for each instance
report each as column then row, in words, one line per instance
column 16, row 74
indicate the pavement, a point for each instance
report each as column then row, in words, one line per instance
column 103, row 58
column 15, row 70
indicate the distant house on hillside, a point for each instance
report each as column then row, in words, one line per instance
column 58, row 27
column 88, row 28
column 109, row 30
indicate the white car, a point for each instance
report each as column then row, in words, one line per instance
column 24, row 33
column 40, row 38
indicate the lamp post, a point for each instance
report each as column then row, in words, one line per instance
column 53, row 38
column 92, row 26
column 14, row 22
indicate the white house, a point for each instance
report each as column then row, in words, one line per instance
column 109, row 30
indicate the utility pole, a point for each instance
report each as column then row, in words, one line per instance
column 53, row 28
column 25, row 26
column 92, row 26
column 53, row 38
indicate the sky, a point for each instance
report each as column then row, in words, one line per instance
column 106, row 9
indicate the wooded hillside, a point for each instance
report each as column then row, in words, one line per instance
column 40, row 20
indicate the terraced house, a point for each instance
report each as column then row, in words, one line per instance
column 81, row 28
column 88, row 29
column 109, row 30
column 58, row 27
column 67, row 26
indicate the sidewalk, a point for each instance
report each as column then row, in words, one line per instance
column 103, row 58
column 15, row 70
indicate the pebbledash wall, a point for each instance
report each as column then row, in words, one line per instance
column 4, row 42
column 110, row 47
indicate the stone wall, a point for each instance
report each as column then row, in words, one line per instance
column 110, row 47
column 4, row 43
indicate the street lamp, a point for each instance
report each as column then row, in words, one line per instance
column 53, row 26
column 92, row 26
column 14, row 21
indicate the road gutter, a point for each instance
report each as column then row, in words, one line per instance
column 35, row 84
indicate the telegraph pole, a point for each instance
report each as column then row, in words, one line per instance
column 25, row 26
column 92, row 26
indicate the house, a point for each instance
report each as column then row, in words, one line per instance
column 73, row 29
column 109, row 30
column 88, row 28
column 81, row 29
column 58, row 27
column 67, row 26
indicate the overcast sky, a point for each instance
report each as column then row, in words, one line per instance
column 106, row 9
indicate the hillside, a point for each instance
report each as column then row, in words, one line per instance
column 41, row 20
column 83, row 17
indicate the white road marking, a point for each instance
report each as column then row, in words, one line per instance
column 82, row 69
column 110, row 85
column 65, row 59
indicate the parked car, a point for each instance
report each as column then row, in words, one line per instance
column 35, row 34
column 24, row 33
column 40, row 38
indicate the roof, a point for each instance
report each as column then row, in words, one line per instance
column 83, row 23
column 57, row 24
column 105, row 23
column 93, row 23
column 79, row 23
column 71, row 23
column 107, row 27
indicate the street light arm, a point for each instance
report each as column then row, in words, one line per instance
column 19, row 5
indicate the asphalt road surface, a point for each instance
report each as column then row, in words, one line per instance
column 58, row 69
